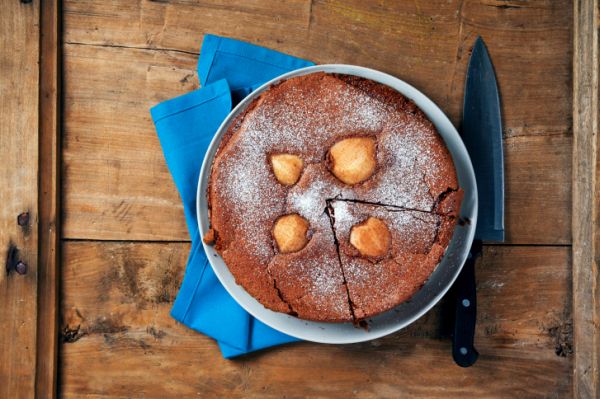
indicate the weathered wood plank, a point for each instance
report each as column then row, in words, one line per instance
column 115, row 178
column 586, row 199
column 49, row 198
column 537, row 184
column 426, row 43
column 109, row 24
column 19, row 77
column 117, row 185
column 121, row 342
column 429, row 43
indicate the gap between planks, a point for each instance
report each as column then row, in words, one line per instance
column 50, row 62
column 586, row 198
column 109, row 241
column 160, row 49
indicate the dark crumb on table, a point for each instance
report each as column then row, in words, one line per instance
column 363, row 324
column 209, row 237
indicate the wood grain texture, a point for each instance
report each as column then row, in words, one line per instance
column 120, row 58
column 426, row 43
column 19, row 45
column 121, row 342
column 586, row 200
column 49, row 199
column 115, row 178
column 117, row 185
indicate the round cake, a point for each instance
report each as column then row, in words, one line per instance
column 332, row 198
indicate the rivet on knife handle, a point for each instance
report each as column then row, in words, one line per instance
column 463, row 348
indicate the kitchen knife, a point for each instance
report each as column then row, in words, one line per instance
column 482, row 134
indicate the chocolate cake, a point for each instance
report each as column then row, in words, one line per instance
column 332, row 198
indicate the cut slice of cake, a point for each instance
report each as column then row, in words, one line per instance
column 386, row 253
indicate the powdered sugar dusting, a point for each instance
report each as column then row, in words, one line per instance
column 309, row 197
column 292, row 121
column 401, row 182
column 406, row 226
column 413, row 226
column 342, row 215
column 249, row 179
column 309, row 203
column 319, row 273
column 360, row 272
column 306, row 120
column 312, row 277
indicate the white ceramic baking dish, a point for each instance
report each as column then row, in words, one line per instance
column 402, row 315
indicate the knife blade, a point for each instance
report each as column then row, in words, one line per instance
column 482, row 134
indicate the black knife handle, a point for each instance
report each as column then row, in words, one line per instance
column 465, row 317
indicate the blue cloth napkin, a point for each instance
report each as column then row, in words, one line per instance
column 228, row 70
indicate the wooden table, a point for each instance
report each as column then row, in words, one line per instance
column 102, row 229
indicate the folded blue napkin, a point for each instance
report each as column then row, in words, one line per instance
column 228, row 70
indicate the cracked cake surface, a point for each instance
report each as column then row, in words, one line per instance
column 312, row 160
column 377, row 283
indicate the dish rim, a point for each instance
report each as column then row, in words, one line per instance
column 343, row 333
